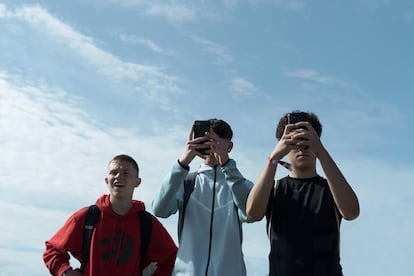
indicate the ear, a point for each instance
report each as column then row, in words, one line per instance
column 137, row 182
column 106, row 180
column 230, row 146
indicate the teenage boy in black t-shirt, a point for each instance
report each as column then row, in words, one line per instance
column 303, row 209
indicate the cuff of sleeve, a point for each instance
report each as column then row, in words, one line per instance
column 182, row 166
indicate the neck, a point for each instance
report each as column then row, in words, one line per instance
column 297, row 173
column 120, row 207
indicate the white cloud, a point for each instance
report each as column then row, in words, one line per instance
column 312, row 75
column 151, row 82
column 170, row 10
column 189, row 11
column 222, row 54
column 290, row 5
column 59, row 149
column 143, row 41
column 242, row 86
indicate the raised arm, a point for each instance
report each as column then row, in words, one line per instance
column 240, row 186
column 344, row 196
column 259, row 195
column 165, row 202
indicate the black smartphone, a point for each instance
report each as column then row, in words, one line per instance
column 297, row 117
column 200, row 129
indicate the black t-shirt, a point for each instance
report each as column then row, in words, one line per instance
column 304, row 232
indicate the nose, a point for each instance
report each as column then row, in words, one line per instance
column 302, row 148
column 117, row 175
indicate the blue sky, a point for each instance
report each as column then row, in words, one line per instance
column 82, row 81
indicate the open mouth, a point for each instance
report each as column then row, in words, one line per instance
column 119, row 185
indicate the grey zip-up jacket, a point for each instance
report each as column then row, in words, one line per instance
column 211, row 238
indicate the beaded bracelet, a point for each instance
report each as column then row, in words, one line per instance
column 281, row 162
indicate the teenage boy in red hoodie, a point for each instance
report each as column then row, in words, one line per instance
column 115, row 244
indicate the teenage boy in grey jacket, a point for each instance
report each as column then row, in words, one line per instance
column 210, row 241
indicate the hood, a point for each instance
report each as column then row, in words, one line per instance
column 104, row 205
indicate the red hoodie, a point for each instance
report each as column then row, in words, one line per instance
column 115, row 244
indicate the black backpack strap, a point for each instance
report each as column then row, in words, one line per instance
column 146, row 229
column 92, row 217
column 189, row 183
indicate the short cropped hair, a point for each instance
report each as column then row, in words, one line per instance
column 126, row 158
column 222, row 128
column 313, row 120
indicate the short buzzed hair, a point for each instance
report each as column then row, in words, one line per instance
column 126, row 158
column 222, row 128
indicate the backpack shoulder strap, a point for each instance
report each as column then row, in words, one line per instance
column 189, row 184
column 91, row 219
column 146, row 229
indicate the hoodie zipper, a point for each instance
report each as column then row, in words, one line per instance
column 211, row 220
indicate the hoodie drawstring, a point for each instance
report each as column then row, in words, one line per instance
column 211, row 219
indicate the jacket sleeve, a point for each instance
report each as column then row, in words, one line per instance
column 166, row 201
column 162, row 250
column 239, row 186
column 67, row 239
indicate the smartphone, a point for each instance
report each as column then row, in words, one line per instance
column 200, row 128
column 297, row 117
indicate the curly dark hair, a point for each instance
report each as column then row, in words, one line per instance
column 312, row 119
column 222, row 128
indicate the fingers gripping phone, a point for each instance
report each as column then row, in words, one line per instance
column 297, row 117
column 200, row 128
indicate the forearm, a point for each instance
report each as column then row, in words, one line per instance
column 239, row 185
column 67, row 239
column 259, row 195
column 55, row 261
column 165, row 202
column 344, row 196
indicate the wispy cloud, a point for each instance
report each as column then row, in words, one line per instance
column 153, row 46
column 242, row 86
column 290, row 5
column 143, row 41
column 169, row 10
column 188, row 11
column 172, row 11
column 222, row 54
column 150, row 81
column 312, row 75
column 43, row 128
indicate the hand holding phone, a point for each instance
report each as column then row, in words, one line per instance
column 293, row 118
column 200, row 129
